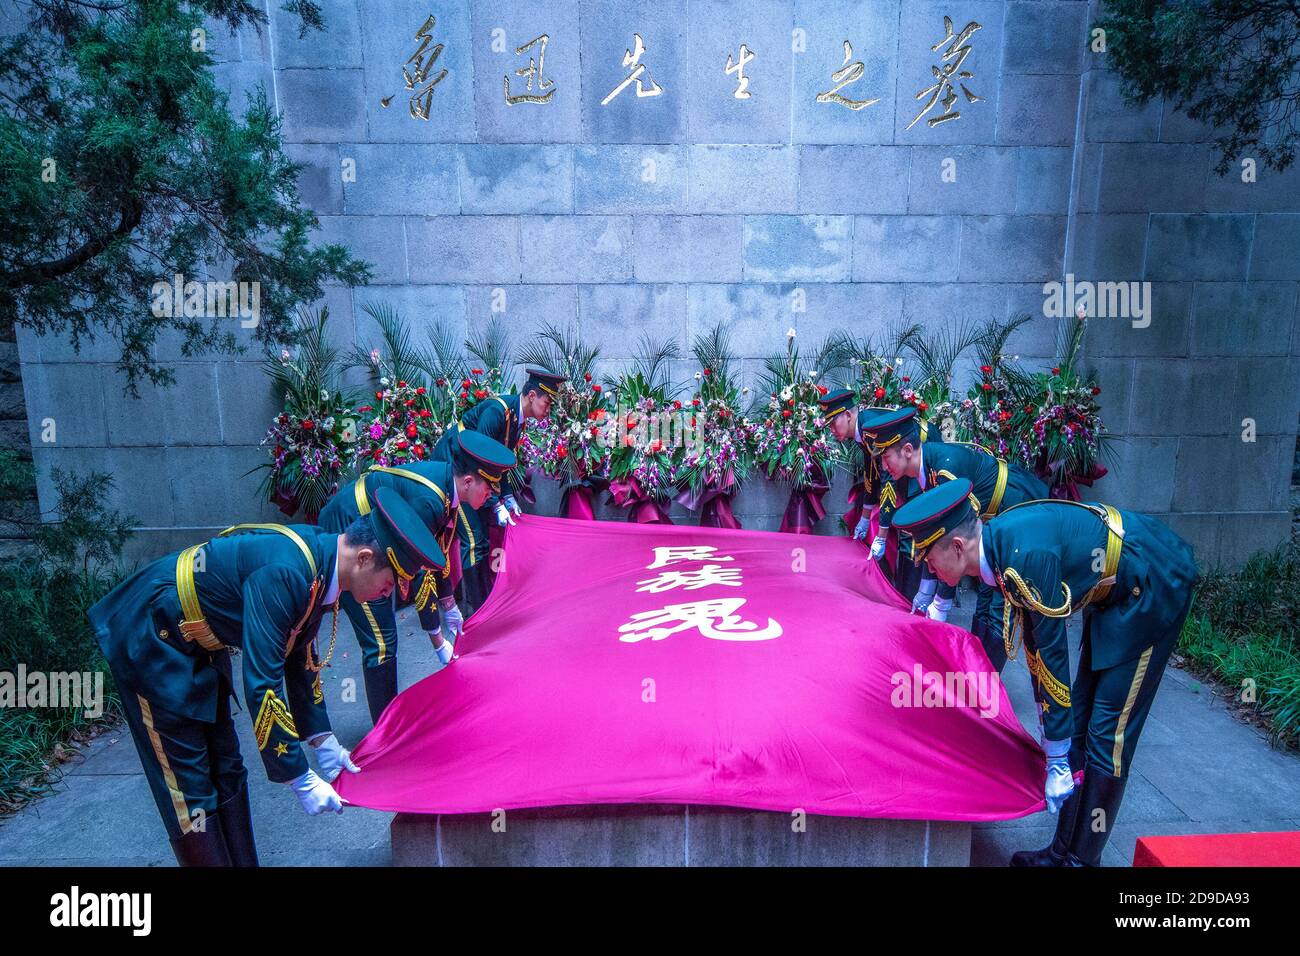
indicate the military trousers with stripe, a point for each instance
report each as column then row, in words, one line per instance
column 193, row 767
column 1111, row 705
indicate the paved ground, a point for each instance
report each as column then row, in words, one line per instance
column 1197, row 770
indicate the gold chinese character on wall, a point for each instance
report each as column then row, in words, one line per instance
column 846, row 75
column 533, row 72
column 632, row 57
column 422, row 64
column 947, row 73
column 742, row 81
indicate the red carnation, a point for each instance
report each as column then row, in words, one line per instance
column 308, row 424
column 479, row 393
column 1096, row 390
column 403, row 444
column 676, row 404
column 708, row 371
column 924, row 406
column 586, row 376
column 987, row 387
column 822, row 389
column 986, row 369
column 562, row 452
column 420, row 390
column 595, row 388
column 1056, row 371
column 476, row 371
column 879, row 393
column 785, row 413
column 410, row 431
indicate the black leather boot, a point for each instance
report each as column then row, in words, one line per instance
column 206, row 847
column 1102, row 792
column 236, row 817
column 1057, row 852
column 381, row 687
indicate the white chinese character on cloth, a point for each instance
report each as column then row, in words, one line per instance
column 692, row 580
column 679, row 554
column 718, row 619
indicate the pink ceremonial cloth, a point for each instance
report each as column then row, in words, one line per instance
column 561, row 697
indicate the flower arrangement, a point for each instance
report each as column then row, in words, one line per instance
column 310, row 440
column 719, row 447
column 408, row 413
column 792, row 442
column 570, row 445
column 1048, row 421
column 646, row 435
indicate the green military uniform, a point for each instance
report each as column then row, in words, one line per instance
column 1133, row 578
column 428, row 487
column 497, row 418
column 168, row 632
column 895, row 492
column 501, row 419
column 996, row 485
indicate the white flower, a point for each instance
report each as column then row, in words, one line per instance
column 374, row 357
column 383, row 382
column 789, row 333
column 697, row 376
column 324, row 395
column 812, row 374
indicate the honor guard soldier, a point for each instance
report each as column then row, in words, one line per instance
column 1130, row 575
column 501, row 417
column 168, row 632
column 840, row 412
column 926, row 595
column 434, row 489
column 919, row 462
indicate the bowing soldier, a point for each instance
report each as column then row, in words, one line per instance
column 434, row 489
column 1130, row 575
column 503, row 418
column 168, row 632
column 919, row 462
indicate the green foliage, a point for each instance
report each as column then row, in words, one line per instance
column 1232, row 64
column 45, row 599
column 121, row 166
column 1242, row 628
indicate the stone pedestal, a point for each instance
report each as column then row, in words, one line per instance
column 671, row 835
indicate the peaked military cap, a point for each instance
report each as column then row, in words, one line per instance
column 541, row 380
column 836, row 402
column 932, row 514
column 888, row 428
column 406, row 540
column 484, row 454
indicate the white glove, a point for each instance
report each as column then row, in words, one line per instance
column 503, row 515
column 332, row 758
column 445, row 652
column 878, row 546
column 924, row 595
column 315, row 794
column 509, row 502
column 862, row 528
column 453, row 622
column 1060, row 781
column 939, row 609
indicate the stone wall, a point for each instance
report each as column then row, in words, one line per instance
column 665, row 214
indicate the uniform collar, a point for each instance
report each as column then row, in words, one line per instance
column 920, row 474
column 986, row 571
column 332, row 592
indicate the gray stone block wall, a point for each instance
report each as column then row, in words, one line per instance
column 665, row 214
